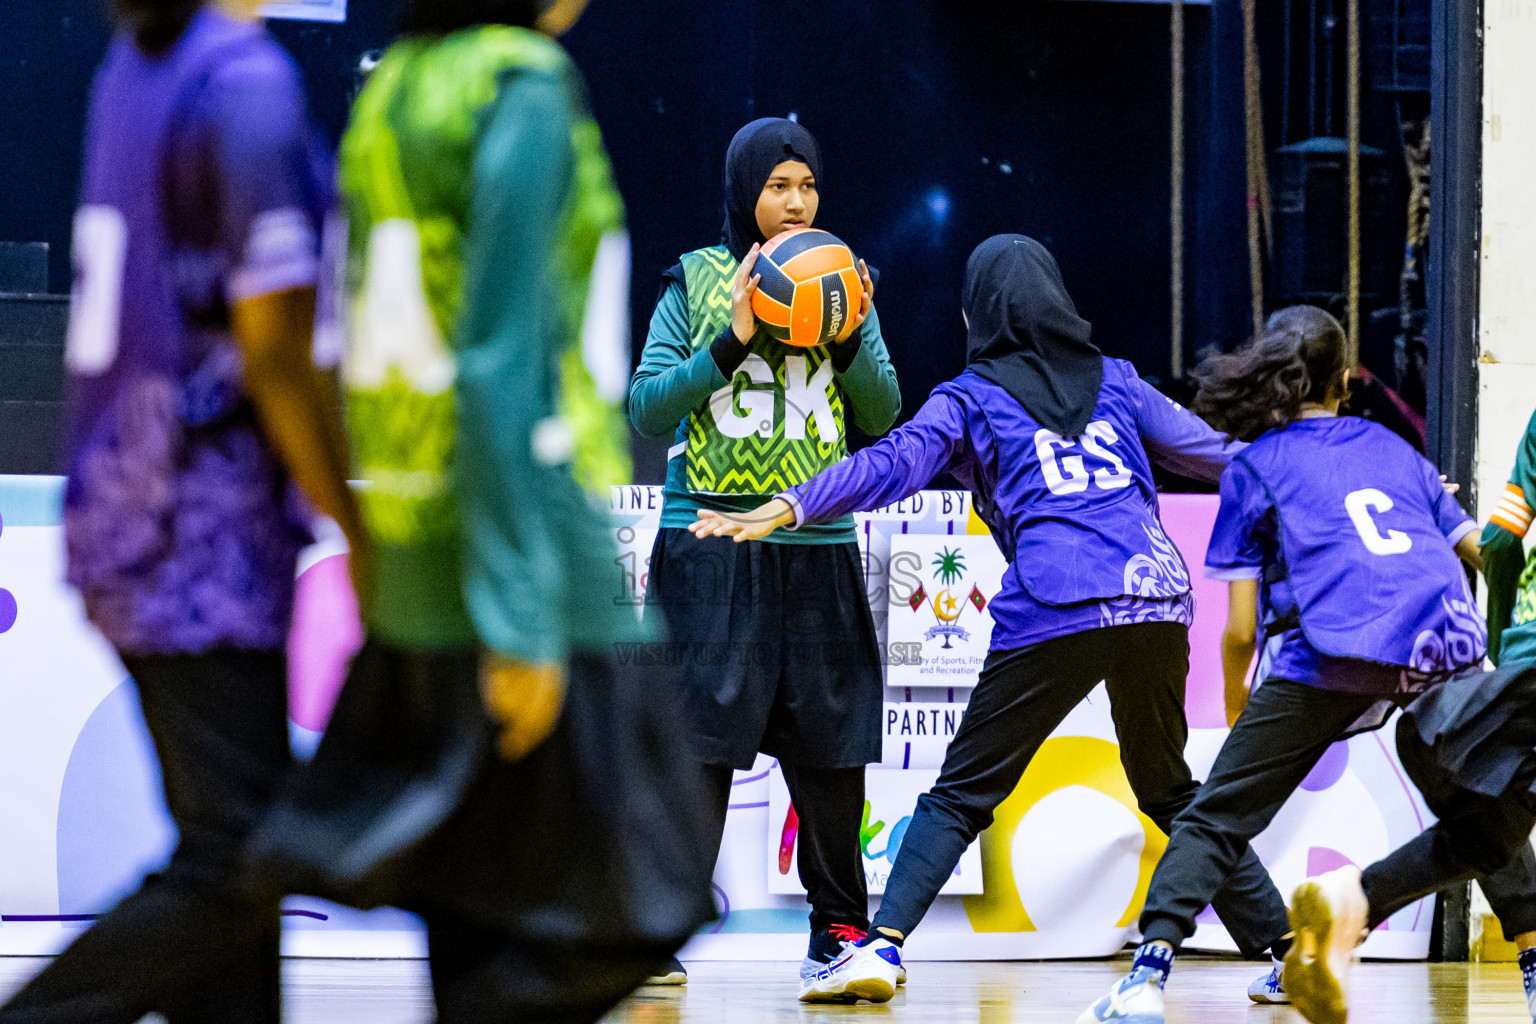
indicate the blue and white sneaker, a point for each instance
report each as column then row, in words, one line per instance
column 862, row 972
column 1269, row 989
column 829, row 945
column 1136, row 999
column 1527, row 959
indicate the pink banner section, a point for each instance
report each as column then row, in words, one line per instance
column 1188, row 519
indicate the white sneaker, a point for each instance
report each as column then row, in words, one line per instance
column 862, row 972
column 1269, row 989
column 818, row 958
column 810, row 966
column 1328, row 915
column 1136, row 999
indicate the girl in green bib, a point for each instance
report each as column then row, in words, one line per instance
column 490, row 765
column 776, row 637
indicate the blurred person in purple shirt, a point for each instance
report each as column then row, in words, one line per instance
column 193, row 408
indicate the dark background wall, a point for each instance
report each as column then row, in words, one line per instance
column 941, row 122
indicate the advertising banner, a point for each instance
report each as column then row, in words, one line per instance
column 939, row 587
column 889, row 798
column 1061, row 873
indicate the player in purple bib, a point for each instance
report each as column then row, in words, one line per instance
column 193, row 405
column 1056, row 442
column 1341, row 547
column 1469, row 745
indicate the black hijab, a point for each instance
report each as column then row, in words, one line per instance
column 1025, row 334
column 755, row 151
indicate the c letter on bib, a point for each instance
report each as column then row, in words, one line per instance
column 1360, row 504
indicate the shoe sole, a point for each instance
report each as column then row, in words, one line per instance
column 1309, row 979
column 876, row 990
column 674, row 978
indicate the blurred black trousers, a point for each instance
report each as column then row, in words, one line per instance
column 188, row 944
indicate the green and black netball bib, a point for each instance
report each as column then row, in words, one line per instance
column 779, row 421
column 405, row 281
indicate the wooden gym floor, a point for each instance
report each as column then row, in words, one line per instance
column 1201, row 992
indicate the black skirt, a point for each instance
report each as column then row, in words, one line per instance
column 1475, row 733
column 598, row 837
column 776, row 647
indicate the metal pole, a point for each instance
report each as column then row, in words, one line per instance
column 1352, row 114
column 1451, row 276
column 1176, row 197
column 1253, row 122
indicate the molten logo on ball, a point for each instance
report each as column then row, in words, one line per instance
column 810, row 288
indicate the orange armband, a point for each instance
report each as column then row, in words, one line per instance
column 1512, row 512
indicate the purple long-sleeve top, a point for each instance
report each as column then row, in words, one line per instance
column 1077, row 517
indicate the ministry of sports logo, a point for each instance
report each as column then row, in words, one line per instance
column 948, row 573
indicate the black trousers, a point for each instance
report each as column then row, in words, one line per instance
column 830, row 805
column 1477, row 836
column 189, row 944
column 1277, row 740
column 482, row 976
column 1019, row 700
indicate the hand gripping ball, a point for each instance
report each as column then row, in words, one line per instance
column 810, row 292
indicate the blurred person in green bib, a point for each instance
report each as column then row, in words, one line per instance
column 490, row 765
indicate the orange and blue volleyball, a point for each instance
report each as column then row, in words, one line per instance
column 811, row 292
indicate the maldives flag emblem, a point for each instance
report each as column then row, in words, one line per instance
column 919, row 596
column 978, row 599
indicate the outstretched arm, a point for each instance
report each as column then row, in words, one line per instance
column 1179, row 440
column 898, row 466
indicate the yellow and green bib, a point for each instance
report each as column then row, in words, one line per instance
column 779, row 421
column 405, row 283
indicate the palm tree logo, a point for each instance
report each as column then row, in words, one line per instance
column 949, row 567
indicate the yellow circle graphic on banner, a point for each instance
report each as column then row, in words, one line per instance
column 1061, row 762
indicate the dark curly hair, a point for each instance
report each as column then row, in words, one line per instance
column 156, row 24
column 1301, row 357
column 439, row 17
